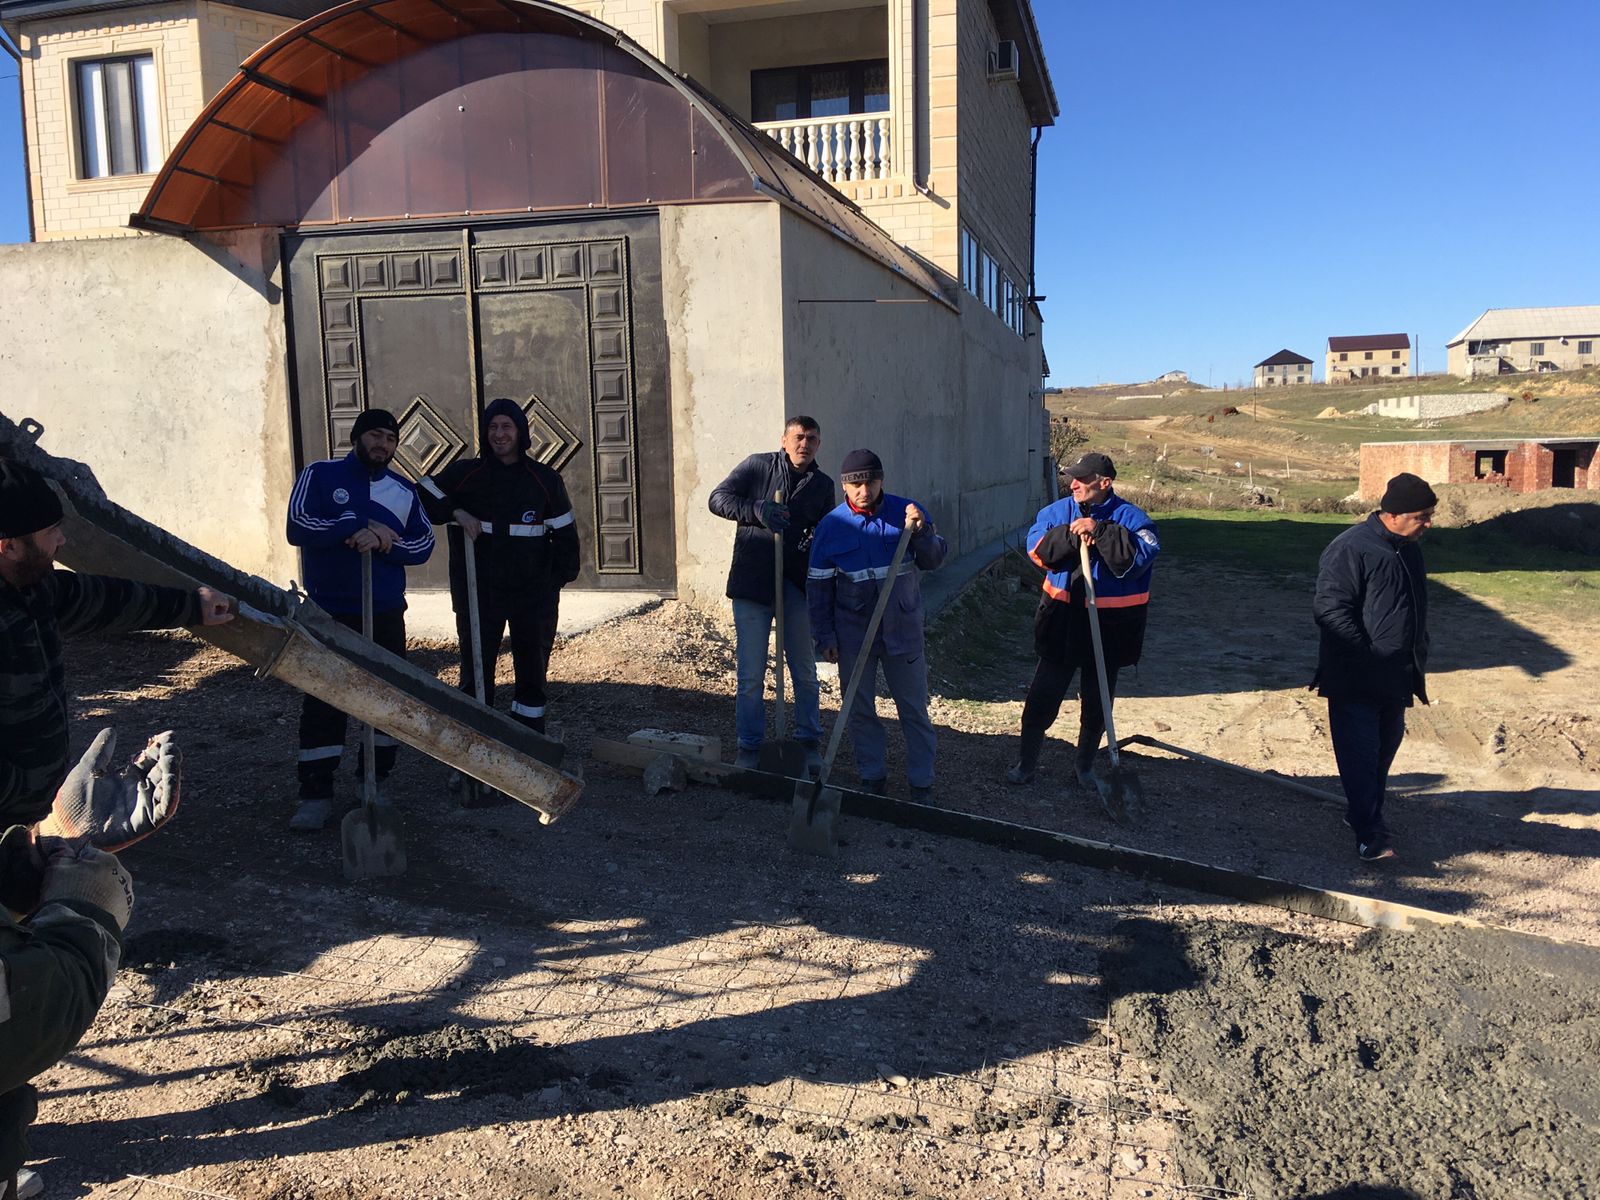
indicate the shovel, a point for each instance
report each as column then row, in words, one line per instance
column 813, row 819
column 371, row 834
column 474, row 794
column 783, row 755
column 1121, row 794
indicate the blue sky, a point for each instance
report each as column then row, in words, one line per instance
column 1205, row 201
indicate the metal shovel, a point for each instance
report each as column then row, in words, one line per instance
column 782, row 755
column 1121, row 793
column 372, row 835
column 813, row 818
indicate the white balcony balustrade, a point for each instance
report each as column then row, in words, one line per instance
column 840, row 149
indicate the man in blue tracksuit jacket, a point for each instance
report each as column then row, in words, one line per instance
column 850, row 556
column 340, row 510
column 1122, row 553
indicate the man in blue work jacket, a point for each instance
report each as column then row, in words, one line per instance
column 850, row 556
column 339, row 510
column 1122, row 553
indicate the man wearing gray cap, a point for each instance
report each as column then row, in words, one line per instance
column 1371, row 606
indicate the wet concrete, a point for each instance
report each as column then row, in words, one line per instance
column 1442, row 1064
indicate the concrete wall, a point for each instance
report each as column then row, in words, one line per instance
column 1384, row 364
column 1435, row 407
column 721, row 278
column 162, row 366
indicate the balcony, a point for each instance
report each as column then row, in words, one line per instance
column 844, row 149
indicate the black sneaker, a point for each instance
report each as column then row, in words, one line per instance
column 874, row 787
column 1020, row 775
column 1380, row 847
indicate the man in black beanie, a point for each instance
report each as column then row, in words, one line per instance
column 1371, row 606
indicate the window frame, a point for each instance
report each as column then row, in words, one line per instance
column 1536, row 348
column 1586, row 347
column 855, row 69
column 144, row 113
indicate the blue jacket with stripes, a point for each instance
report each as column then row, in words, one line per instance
column 850, row 556
column 334, row 498
column 1121, row 562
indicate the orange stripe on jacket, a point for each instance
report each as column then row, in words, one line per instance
column 1034, row 554
column 1063, row 595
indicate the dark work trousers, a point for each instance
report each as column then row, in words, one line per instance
column 323, row 727
column 1051, row 681
column 18, row 1107
column 533, row 624
column 1366, row 737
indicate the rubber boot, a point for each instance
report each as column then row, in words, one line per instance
column 1028, row 760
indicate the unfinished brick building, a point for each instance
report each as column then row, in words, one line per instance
column 1522, row 466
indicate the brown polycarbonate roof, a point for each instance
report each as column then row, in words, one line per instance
column 386, row 110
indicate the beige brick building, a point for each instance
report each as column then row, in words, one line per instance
column 1282, row 369
column 1507, row 340
column 589, row 208
column 1371, row 357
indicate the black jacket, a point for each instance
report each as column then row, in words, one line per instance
column 808, row 496
column 532, row 550
column 1372, row 608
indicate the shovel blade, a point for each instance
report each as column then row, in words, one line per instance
column 814, row 821
column 786, row 758
column 1120, row 792
column 373, row 842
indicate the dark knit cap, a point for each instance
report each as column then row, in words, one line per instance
column 1092, row 466
column 860, row 466
column 1407, row 493
column 27, row 503
column 374, row 418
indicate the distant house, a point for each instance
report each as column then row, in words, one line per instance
column 1282, row 369
column 1505, row 340
column 1522, row 466
column 1174, row 377
column 1368, row 356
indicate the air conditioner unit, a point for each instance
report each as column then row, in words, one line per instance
column 1003, row 62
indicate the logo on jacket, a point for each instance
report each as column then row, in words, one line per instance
column 530, row 517
column 340, row 496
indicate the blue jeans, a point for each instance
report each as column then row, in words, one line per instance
column 907, row 678
column 1366, row 737
column 752, row 624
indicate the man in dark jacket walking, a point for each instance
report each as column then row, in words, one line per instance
column 525, row 546
column 748, row 497
column 1371, row 606
column 1122, row 551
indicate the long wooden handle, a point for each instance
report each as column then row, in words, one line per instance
column 470, row 558
column 369, row 736
column 1099, row 652
column 780, row 716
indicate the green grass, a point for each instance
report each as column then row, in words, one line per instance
column 1472, row 561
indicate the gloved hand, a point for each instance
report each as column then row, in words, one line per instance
column 115, row 807
column 774, row 516
column 92, row 876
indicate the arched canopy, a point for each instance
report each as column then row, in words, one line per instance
column 384, row 110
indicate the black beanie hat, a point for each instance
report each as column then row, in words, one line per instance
column 374, row 418
column 502, row 407
column 861, row 466
column 1407, row 493
column 27, row 503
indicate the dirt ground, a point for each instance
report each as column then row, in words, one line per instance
column 653, row 998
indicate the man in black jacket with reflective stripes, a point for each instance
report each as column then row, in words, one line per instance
column 1371, row 606
column 525, row 542
column 748, row 497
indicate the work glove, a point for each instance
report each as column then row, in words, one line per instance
column 92, row 876
column 113, row 807
column 774, row 516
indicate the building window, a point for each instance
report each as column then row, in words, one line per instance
column 1343, row 357
column 828, row 90
column 1394, row 370
column 1368, row 354
column 1536, row 348
column 1394, row 354
column 117, row 123
column 969, row 262
column 1585, row 347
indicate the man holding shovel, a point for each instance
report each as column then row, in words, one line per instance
column 341, row 511
column 512, row 520
column 749, row 497
column 851, row 554
column 1122, row 552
